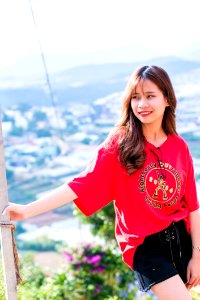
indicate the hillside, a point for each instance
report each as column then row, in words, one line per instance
column 84, row 83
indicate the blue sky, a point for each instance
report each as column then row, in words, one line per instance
column 89, row 31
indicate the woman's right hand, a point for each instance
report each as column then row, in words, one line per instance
column 16, row 212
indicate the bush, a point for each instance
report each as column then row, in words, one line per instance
column 92, row 272
column 99, row 272
column 102, row 223
column 2, row 288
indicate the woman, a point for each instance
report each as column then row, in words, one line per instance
column 146, row 169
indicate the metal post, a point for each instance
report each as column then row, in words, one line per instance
column 6, row 235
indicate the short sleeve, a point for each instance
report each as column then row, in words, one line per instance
column 95, row 185
column 190, row 195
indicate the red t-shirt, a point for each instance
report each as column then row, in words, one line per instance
column 145, row 202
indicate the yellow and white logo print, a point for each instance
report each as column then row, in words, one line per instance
column 161, row 191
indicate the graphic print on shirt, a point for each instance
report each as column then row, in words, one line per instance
column 161, row 190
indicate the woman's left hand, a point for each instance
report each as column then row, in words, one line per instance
column 193, row 271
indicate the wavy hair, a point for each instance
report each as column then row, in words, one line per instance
column 131, row 141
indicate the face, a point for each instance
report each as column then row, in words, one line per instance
column 148, row 103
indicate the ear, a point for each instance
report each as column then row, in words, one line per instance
column 167, row 104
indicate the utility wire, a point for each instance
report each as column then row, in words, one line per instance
column 51, row 92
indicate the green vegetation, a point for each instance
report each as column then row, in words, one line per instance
column 2, row 288
column 102, row 223
column 41, row 244
column 91, row 272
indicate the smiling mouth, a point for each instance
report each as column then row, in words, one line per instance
column 145, row 113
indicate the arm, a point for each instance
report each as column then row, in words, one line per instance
column 58, row 197
column 195, row 231
column 84, row 189
column 192, row 203
column 193, row 270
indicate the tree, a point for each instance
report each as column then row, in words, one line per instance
column 102, row 223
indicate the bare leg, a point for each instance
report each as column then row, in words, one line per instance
column 171, row 288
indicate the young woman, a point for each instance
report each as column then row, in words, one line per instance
column 146, row 169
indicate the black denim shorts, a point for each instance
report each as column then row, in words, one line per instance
column 163, row 255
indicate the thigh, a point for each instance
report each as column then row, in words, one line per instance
column 151, row 265
column 171, row 288
column 151, row 269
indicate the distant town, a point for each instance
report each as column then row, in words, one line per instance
column 45, row 146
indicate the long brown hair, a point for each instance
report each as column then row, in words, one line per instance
column 131, row 139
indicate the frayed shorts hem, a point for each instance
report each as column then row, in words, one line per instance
column 147, row 288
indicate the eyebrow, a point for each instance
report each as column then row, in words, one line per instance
column 147, row 92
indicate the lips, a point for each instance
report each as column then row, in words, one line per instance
column 144, row 113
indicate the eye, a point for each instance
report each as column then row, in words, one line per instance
column 134, row 97
column 150, row 96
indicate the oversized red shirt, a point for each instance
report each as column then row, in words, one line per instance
column 145, row 202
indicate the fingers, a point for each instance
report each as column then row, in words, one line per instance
column 194, row 281
column 5, row 210
column 190, row 278
column 188, row 274
column 190, row 284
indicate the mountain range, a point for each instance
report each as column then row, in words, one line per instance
column 84, row 83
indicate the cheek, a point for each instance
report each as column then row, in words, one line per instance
column 162, row 106
column 133, row 106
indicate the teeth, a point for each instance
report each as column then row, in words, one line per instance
column 145, row 113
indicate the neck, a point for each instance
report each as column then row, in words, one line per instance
column 154, row 135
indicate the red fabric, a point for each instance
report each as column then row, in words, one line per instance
column 144, row 202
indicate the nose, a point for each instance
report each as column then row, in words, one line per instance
column 143, row 102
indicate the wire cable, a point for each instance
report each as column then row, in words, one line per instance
column 51, row 92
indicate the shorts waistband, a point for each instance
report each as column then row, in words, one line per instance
column 169, row 233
